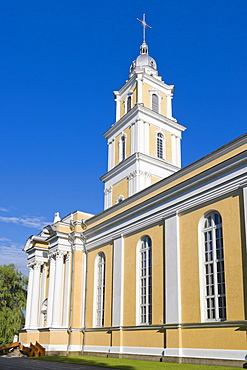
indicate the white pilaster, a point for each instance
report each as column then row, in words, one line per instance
column 66, row 299
column 141, row 137
column 108, row 197
column 35, row 296
column 118, row 102
column 139, row 89
column 174, row 150
column 132, row 141
column 178, row 146
column 118, row 276
column 58, row 291
column 245, row 210
column 50, row 291
column 169, row 106
column 146, row 138
column 111, row 154
column 42, row 293
column 172, row 268
column 29, row 297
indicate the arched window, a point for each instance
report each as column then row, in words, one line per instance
column 123, row 138
column 155, row 103
column 128, row 103
column 145, row 283
column 159, row 145
column 214, row 276
column 100, row 289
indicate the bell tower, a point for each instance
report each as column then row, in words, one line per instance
column 145, row 141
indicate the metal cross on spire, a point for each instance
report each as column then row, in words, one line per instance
column 144, row 24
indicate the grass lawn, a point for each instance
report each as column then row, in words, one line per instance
column 126, row 364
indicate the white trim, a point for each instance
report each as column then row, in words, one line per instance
column 147, row 115
column 223, row 354
column 67, row 292
column 100, row 260
column 61, row 347
column 50, row 291
column 83, row 294
column 159, row 96
column 129, row 94
column 245, row 210
column 172, row 267
column 117, row 286
column 29, row 297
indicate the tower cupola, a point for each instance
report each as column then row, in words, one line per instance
column 144, row 142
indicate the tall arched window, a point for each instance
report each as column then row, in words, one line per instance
column 122, row 147
column 128, row 103
column 100, row 289
column 146, row 281
column 123, row 138
column 155, row 103
column 159, row 145
column 215, row 296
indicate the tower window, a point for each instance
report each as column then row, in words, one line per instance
column 122, row 147
column 146, row 281
column 129, row 103
column 214, row 275
column 159, row 144
column 100, row 289
column 155, row 103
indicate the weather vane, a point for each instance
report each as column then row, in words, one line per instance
column 144, row 25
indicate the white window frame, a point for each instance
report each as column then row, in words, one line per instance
column 145, row 304
column 163, row 138
column 99, row 284
column 129, row 94
column 211, row 294
column 122, row 147
column 160, row 97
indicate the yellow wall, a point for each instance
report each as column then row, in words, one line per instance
column 190, row 281
column 121, row 188
column 154, row 179
column 221, row 338
column 163, row 107
column 147, row 99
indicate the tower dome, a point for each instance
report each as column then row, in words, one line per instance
column 143, row 60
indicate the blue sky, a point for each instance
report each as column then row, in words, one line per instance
column 60, row 62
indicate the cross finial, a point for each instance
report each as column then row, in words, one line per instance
column 144, row 25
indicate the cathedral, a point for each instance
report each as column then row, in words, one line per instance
column 161, row 273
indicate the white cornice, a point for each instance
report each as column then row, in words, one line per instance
column 152, row 80
column 141, row 112
column 120, row 167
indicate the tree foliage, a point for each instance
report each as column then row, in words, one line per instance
column 13, row 293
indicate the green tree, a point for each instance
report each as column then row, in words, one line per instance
column 13, row 293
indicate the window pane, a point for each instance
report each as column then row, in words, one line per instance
column 214, row 267
column 146, row 281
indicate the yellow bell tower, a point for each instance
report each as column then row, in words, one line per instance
column 145, row 141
